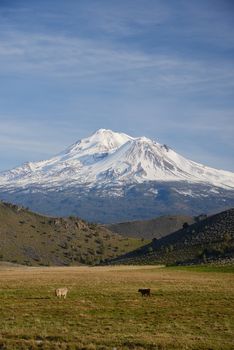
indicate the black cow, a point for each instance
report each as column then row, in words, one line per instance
column 144, row 292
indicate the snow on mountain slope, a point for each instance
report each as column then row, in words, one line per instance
column 107, row 157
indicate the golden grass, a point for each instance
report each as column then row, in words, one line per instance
column 187, row 310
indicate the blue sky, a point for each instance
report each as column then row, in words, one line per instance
column 162, row 69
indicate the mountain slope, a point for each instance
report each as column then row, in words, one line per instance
column 149, row 229
column 211, row 239
column 111, row 177
column 32, row 239
column 106, row 157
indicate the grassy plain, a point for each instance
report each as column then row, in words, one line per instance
column 188, row 309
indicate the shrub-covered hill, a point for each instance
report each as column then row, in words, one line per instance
column 32, row 239
column 209, row 240
column 154, row 228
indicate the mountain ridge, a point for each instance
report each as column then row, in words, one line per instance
column 153, row 228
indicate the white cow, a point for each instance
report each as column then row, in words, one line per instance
column 61, row 292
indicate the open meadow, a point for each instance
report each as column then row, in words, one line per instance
column 188, row 309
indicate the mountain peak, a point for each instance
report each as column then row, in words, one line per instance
column 103, row 131
column 102, row 140
column 108, row 133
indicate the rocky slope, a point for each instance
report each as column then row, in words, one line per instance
column 32, row 239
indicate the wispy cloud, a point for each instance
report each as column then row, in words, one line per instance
column 75, row 58
column 129, row 19
column 41, row 137
column 22, row 135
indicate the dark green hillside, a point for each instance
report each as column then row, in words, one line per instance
column 149, row 229
column 32, row 239
column 209, row 240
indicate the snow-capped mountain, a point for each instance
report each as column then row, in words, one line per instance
column 109, row 157
column 114, row 165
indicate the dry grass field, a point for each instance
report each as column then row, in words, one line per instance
column 188, row 309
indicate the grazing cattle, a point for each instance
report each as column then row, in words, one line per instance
column 144, row 291
column 61, row 292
